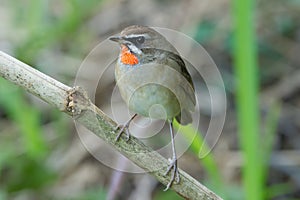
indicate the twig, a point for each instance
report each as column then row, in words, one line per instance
column 75, row 102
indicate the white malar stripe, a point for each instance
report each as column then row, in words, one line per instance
column 134, row 49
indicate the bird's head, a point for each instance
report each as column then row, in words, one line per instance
column 134, row 39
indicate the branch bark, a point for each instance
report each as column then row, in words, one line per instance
column 75, row 103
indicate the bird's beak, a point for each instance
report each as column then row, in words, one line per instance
column 118, row 39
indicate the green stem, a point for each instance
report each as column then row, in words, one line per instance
column 247, row 97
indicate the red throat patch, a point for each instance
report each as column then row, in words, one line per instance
column 127, row 57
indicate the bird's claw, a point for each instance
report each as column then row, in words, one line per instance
column 175, row 177
column 123, row 128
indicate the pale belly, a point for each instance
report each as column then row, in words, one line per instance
column 154, row 101
column 149, row 92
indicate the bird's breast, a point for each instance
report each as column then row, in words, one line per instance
column 151, row 90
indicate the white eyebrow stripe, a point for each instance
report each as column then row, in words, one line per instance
column 137, row 35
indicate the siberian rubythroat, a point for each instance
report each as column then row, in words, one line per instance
column 154, row 82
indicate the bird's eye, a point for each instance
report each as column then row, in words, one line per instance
column 140, row 39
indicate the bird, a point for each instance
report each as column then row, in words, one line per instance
column 154, row 82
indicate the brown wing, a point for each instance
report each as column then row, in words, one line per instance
column 176, row 62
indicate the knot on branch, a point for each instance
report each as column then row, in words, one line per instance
column 77, row 101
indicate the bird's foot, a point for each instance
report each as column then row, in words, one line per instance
column 175, row 177
column 123, row 128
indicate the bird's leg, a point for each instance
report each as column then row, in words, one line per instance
column 175, row 178
column 124, row 127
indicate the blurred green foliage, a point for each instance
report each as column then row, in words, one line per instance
column 94, row 194
column 23, row 152
column 23, row 167
column 161, row 195
column 256, row 152
column 23, row 172
column 50, row 30
column 25, row 117
column 205, row 155
column 205, row 31
column 246, row 70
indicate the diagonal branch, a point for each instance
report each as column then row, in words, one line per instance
column 75, row 103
